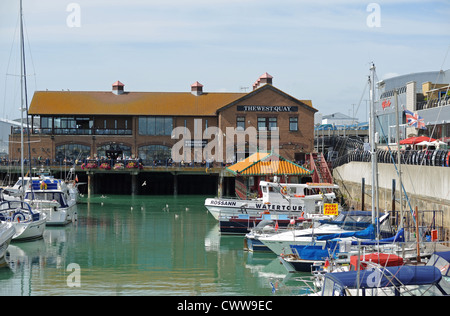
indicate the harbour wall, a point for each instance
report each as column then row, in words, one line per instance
column 427, row 187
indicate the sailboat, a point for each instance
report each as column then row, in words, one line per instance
column 28, row 224
column 7, row 232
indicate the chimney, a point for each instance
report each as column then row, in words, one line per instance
column 264, row 79
column 117, row 87
column 197, row 88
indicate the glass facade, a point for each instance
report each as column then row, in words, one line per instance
column 85, row 126
column 155, row 125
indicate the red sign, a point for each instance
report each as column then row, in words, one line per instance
column 386, row 104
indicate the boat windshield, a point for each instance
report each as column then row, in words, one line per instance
column 47, row 196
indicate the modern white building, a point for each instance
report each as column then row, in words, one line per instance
column 425, row 93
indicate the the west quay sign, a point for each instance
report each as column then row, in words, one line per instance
column 267, row 108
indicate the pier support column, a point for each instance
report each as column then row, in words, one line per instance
column 90, row 175
column 134, row 190
column 220, row 185
column 175, row 184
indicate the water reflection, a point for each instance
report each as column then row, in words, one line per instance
column 141, row 246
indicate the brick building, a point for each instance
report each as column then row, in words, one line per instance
column 78, row 124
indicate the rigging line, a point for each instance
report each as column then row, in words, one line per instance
column 9, row 62
column 30, row 54
column 360, row 100
column 396, row 170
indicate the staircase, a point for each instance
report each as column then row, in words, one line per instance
column 319, row 166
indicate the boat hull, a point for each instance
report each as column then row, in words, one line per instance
column 61, row 216
column 254, row 245
column 293, row 266
column 7, row 231
column 30, row 230
column 242, row 224
column 230, row 207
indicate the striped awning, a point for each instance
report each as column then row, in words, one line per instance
column 267, row 164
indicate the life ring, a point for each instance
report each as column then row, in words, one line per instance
column 284, row 190
column 18, row 217
column 43, row 185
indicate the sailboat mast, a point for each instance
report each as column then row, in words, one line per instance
column 22, row 98
column 399, row 162
column 373, row 149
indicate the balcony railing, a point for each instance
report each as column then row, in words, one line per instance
column 75, row 131
column 433, row 103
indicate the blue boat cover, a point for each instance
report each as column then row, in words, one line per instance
column 391, row 276
column 399, row 237
column 368, row 233
column 314, row 252
column 443, row 254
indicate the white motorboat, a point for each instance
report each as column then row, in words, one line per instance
column 53, row 197
column 28, row 224
column 277, row 198
column 15, row 192
column 7, row 231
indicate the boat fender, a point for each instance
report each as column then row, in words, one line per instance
column 299, row 195
column 448, row 159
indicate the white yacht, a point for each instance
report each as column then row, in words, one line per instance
column 28, row 224
column 53, row 197
column 277, row 198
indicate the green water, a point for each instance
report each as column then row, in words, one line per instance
column 153, row 245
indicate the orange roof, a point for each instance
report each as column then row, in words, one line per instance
column 267, row 164
column 129, row 103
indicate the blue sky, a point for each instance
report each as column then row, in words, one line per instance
column 318, row 50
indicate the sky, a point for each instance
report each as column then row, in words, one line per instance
column 316, row 50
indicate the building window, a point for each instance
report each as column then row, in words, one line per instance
column 71, row 152
column 155, row 125
column 155, row 154
column 46, row 125
column 240, row 123
column 293, row 124
column 119, row 150
column 267, row 123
